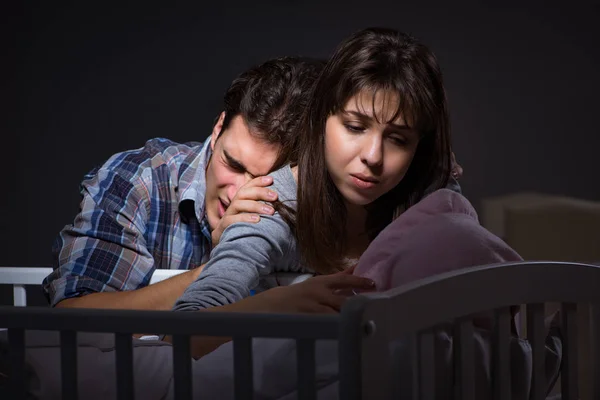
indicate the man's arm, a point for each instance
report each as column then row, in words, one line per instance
column 159, row 296
column 105, row 256
column 129, row 254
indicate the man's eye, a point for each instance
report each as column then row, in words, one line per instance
column 233, row 166
column 237, row 168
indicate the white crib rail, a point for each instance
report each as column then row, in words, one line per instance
column 18, row 277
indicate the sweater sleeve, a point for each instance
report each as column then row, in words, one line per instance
column 245, row 253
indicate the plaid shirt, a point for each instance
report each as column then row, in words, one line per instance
column 142, row 210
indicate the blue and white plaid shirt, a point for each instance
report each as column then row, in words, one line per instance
column 143, row 209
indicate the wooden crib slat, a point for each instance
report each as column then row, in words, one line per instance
column 182, row 367
column 404, row 353
column 595, row 343
column 464, row 354
column 569, row 384
column 16, row 350
column 305, row 352
column 501, row 354
column 427, row 365
column 19, row 296
column 242, row 367
column 535, row 335
column 414, row 377
column 68, row 364
column 124, row 356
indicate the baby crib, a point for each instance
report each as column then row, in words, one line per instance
column 364, row 329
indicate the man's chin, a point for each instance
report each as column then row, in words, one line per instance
column 211, row 221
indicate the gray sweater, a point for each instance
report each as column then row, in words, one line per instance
column 245, row 253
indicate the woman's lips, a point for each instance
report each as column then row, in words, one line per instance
column 363, row 182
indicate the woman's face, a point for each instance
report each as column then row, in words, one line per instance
column 366, row 154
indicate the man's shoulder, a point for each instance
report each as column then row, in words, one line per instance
column 160, row 145
column 157, row 153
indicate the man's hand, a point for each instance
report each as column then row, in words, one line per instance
column 324, row 294
column 457, row 170
column 246, row 206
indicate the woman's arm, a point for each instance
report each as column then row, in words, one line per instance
column 246, row 251
column 323, row 294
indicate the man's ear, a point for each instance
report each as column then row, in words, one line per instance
column 217, row 130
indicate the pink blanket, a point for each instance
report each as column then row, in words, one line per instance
column 441, row 233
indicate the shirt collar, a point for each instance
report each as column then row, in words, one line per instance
column 192, row 179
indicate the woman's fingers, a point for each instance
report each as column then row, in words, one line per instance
column 343, row 281
column 249, row 206
column 256, row 189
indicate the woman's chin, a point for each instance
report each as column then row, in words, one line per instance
column 356, row 200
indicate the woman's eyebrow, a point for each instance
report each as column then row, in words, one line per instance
column 364, row 116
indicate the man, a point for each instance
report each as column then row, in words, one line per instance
column 166, row 204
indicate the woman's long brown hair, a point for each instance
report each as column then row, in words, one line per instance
column 373, row 59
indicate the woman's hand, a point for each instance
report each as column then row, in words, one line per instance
column 324, row 294
column 246, row 206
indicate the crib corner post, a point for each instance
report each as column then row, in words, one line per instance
column 350, row 348
column 364, row 349
column 19, row 296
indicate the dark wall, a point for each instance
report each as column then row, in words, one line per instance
column 91, row 81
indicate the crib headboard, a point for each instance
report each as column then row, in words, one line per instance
column 365, row 329
column 19, row 277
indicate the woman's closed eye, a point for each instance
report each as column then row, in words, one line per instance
column 398, row 140
column 355, row 128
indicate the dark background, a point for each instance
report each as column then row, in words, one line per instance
column 85, row 82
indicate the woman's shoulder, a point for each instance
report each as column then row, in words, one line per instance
column 284, row 183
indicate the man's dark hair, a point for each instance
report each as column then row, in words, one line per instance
column 271, row 98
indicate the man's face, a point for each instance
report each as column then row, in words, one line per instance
column 238, row 156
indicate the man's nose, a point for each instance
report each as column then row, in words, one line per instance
column 240, row 181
